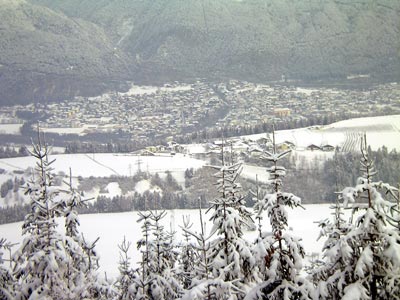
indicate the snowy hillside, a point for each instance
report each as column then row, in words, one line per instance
column 381, row 131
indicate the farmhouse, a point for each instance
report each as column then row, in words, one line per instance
column 328, row 148
column 313, row 147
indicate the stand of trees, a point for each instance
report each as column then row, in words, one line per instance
column 317, row 182
column 314, row 182
column 361, row 256
column 10, row 151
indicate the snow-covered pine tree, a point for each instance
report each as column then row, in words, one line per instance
column 202, row 286
column 143, row 246
column 83, row 279
column 163, row 280
column 187, row 256
column 76, row 274
column 42, row 262
column 397, row 211
column 336, row 253
column 6, row 278
column 232, row 263
column 49, row 264
column 370, row 267
column 126, row 284
column 279, row 253
column 157, row 278
column 259, row 249
column 98, row 287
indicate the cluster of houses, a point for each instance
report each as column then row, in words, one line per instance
column 252, row 104
column 255, row 147
column 143, row 113
column 171, row 110
column 245, row 147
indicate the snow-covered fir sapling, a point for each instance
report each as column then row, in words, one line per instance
column 202, row 286
column 278, row 253
column 143, row 246
column 50, row 264
column 163, row 257
column 335, row 254
column 98, row 287
column 126, row 284
column 83, row 269
column 259, row 247
column 6, row 277
column 370, row 252
column 231, row 259
column 257, row 196
column 157, row 279
column 187, row 256
column 42, row 262
column 398, row 207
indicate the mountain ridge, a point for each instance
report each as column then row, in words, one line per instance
column 48, row 56
column 160, row 41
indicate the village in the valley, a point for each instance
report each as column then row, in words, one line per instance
column 146, row 113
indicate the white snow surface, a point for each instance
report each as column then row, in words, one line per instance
column 107, row 164
column 66, row 130
column 10, row 129
column 142, row 90
column 381, row 131
column 113, row 190
column 255, row 173
column 196, row 148
column 111, row 228
column 145, row 185
column 101, row 165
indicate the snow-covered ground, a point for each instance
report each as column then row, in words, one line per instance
column 113, row 190
column 141, row 90
column 100, row 165
column 381, row 131
column 145, row 185
column 10, row 129
column 107, row 164
column 66, row 130
column 255, row 173
column 111, row 228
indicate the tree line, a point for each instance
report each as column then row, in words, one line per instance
column 314, row 181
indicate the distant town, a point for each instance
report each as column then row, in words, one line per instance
column 146, row 113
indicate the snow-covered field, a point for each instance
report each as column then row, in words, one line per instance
column 111, row 228
column 108, row 164
column 381, row 131
column 66, row 130
column 10, row 129
column 100, row 165
column 140, row 90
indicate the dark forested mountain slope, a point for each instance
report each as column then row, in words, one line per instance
column 46, row 55
column 250, row 39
